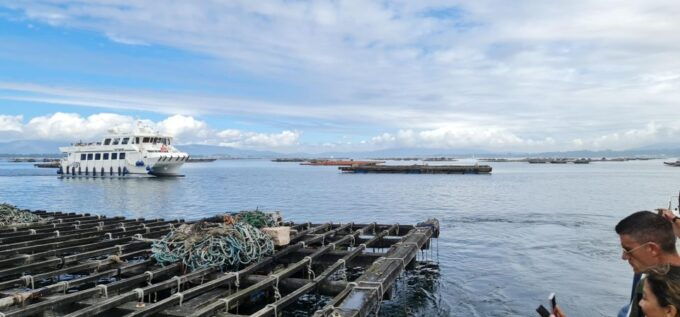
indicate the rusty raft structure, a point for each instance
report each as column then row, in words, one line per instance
column 79, row 265
column 417, row 169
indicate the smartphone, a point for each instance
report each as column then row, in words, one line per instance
column 542, row 311
column 553, row 301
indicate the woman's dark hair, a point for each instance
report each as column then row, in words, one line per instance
column 664, row 282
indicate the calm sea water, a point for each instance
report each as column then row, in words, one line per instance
column 508, row 239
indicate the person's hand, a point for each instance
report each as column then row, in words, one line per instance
column 670, row 216
column 557, row 312
column 666, row 213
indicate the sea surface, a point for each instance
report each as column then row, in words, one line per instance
column 508, row 239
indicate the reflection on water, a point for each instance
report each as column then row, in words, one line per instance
column 417, row 293
column 131, row 195
column 508, row 239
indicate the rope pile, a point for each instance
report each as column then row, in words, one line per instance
column 204, row 244
column 10, row 215
column 256, row 219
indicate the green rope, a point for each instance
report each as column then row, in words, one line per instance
column 256, row 219
column 202, row 245
column 11, row 215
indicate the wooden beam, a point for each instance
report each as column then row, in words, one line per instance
column 275, row 278
column 290, row 284
column 77, row 296
column 368, row 290
column 63, row 286
column 24, row 281
column 74, row 258
column 139, row 293
column 54, row 238
column 273, row 308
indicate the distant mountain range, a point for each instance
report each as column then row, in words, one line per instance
column 408, row 152
column 212, row 150
column 51, row 148
column 31, row 147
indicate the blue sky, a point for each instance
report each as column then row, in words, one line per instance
column 345, row 75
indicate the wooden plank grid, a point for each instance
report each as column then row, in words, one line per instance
column 80, row 265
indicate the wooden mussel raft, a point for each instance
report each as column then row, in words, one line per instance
column 341, row 163
column 418, row 169
column 79, row 265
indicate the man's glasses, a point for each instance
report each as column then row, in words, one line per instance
column 630, row 252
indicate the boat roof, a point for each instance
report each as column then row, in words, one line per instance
column 133, row 134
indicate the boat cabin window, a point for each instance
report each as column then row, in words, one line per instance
column 97, row 156
column 107, row 141
column 116, row 141
column 83, row 157
column 146, row 140
column 114, row 156
column 89, row 157
column 106, row 156
column 137, row 140
column 121, row 156
column 125, row 141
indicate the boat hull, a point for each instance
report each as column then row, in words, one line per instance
column 134, row 165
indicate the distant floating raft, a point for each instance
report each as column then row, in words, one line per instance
column 419, row 169
column 340, row 163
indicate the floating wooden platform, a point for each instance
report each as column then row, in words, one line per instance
column 200, row 159
column 52, row 164
column 288, row 160
column 80, row 265
column 420, row 169
column 341, row 163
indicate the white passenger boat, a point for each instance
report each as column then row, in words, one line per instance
column 143, row 152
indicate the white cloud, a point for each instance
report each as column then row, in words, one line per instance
column 236, row 138
column 10, row 123
column 650, row 134
column 461, row 137
column 500, row 139
column 61, row 126
column 124, row 40
column 185, row 129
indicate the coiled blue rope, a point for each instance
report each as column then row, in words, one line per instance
column 200, row 246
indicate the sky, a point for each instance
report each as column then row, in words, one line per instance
column 316, row 76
